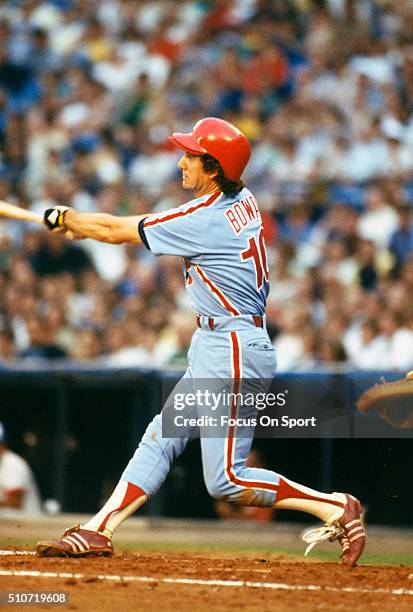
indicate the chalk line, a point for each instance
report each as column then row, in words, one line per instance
column 277, row 586
column 17, row 552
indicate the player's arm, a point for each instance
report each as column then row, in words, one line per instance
column 98, row 226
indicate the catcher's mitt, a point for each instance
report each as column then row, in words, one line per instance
column 393, row 401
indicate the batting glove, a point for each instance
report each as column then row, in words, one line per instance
column 54, row 218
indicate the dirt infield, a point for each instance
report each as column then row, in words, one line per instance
column 199, row 582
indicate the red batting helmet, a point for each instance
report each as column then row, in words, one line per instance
column 221, row 140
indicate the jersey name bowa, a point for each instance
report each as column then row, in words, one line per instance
column 242, row 213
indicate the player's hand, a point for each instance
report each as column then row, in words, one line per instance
column 54, row 218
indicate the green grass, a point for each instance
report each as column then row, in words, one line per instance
column 371, row 559
column 228, row 550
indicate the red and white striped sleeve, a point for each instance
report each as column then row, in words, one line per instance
column 179, row 231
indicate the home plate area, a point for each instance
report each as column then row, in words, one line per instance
column 183, row 581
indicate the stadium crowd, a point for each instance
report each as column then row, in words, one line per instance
column 89, row 92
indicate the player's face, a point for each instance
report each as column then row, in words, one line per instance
column 194, row 176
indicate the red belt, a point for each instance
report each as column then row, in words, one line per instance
column 257, row 319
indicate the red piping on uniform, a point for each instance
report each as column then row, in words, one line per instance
column 182, row 213
column 225, row 301
column 189, row 279
column 284, row 490
column 132, row 493
column 236, row 366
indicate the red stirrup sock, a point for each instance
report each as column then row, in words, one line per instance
column 124, row 501
column 292, row 496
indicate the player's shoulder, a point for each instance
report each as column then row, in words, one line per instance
column 194, row 209
column 202, row 204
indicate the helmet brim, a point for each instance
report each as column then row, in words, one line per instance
column 187, row 143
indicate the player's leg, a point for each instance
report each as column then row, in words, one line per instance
column 226, row 473
column 145, row 472
column 224, row 452
column 228, row 477
column 143, row 476
column 141, row 479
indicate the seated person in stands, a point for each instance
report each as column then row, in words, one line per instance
column 18, row 491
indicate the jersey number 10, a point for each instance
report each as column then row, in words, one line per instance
column 256, row 251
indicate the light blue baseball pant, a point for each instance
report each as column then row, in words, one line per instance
column 236, row 349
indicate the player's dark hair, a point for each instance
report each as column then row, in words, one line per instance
column 230, row 188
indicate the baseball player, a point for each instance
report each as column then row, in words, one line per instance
column 219, row 237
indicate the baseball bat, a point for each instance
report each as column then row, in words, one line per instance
column 9, row 211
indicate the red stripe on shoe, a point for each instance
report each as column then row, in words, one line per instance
column 216, row 291
column 236, row 369
column 182, row 213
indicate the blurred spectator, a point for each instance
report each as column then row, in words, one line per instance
column 42, row 57
column 7, row 346
column 18, row 490
column 289, row 343
column 19, row 83
column 182, row 326
column 366, row 257
column 372, row 349
column 338, row 263
column 401, row 242
column 41, row 340
column 131, row 345
column 138, row 101
column 399, row 339
column 332, row 352
column 297, row 227
column 380, row 220
column 55, row 255
column 88, row 345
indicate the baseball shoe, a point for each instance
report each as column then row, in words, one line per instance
column 353, row 538
column 348, row 531
column 76, row 542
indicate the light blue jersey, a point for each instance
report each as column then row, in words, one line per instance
column 222, row 245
